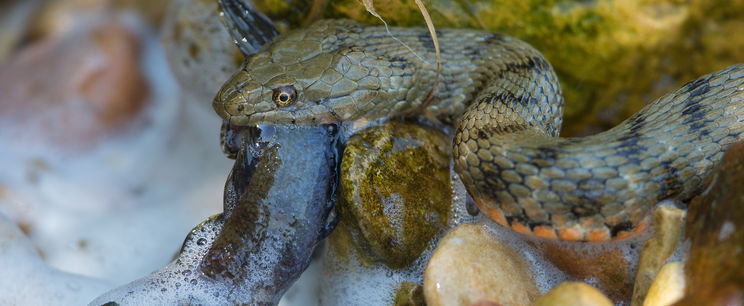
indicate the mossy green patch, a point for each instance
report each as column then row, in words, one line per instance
column 395, row 189
column 409, row 294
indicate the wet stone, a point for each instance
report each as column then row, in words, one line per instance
column 471, row 266
column 714, row 271
column 607, row 266
column 573, row 294
column 668, row 287
column 668, row 227
column 395, row 187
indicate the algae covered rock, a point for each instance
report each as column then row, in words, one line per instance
column 715, row 226
column 395, row 189
column 409, row 294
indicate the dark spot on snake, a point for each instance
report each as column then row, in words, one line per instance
column 493, row 38
column 698, row 126
column 494, row 181
column 671, row 183
column 488, row 131
column 629, row 142
column 533, row 225
column 636, row 124
column 528, row 64
column 426, row 41
column 509, row 99
column 482, row 134
column 695, row 83
column 517, row 218
column 548, row 154
column 699, row 91
column 617, row 228
column 692, row 109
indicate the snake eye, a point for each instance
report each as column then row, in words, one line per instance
column 284, row 96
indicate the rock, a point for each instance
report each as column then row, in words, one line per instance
column 470, row 266
column 409, row 294
column 200, row 51
column 395, row 189
column 606, row 264
column 668, row 227
column 75, row 89
column 668, row 287
column 714, row 271
column 573, row 294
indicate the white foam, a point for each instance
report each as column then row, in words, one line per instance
column 27, row 280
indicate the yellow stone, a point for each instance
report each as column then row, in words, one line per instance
column 574, row 294
column 668, row 287
column 669, row 222
column 470, row 266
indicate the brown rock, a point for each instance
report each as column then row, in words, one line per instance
column 668, row 225
column 470, row 266
column 715, row 226
column 573, row 294
column 74, row 89
column 608, row 267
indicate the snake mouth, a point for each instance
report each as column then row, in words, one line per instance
column 241, row 99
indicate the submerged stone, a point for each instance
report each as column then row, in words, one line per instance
column 715, row 226
column 471, row 266
column 409, row 294
column 395, row 187
column 605, row 265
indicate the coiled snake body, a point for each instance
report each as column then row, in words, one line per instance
column 505, row 101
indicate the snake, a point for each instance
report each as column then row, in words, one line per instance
column 505, row 103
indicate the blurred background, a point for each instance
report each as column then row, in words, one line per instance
column 109, row 147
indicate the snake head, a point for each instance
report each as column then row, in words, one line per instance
column 304, row 77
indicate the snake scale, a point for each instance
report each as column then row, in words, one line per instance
column 505, row 102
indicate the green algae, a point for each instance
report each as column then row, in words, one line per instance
column 409, row 294
column 395, row 190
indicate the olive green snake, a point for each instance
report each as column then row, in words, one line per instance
column 505, row 102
